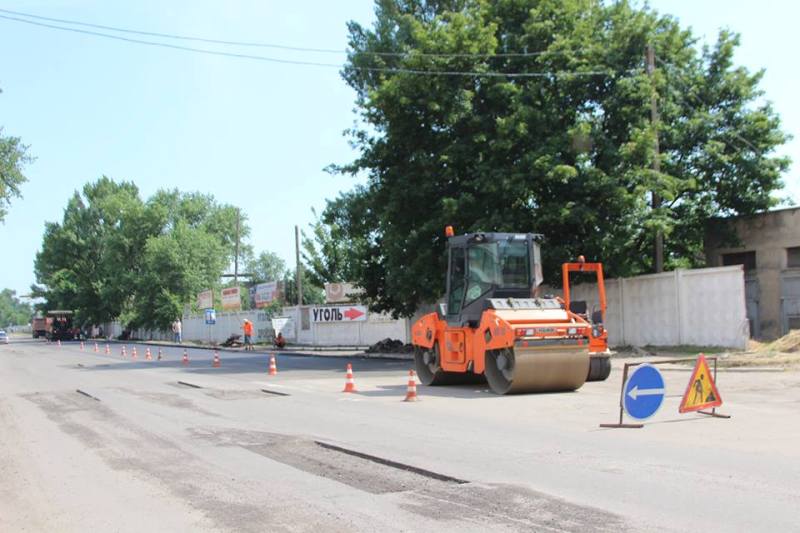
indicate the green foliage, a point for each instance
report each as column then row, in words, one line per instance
column 326, row 253
column 562, row 154
column 13, row 157
column 115, row 256
column 13, row 312
column 312, row 293
column 266, row 267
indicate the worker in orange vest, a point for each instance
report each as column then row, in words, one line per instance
column 248, row 334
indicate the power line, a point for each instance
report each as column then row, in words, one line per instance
column 389, row 70
column 280, row 46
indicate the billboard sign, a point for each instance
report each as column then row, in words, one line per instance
column 205, row 299
column 266, row 293
column 231, row 298
column 336, row 293
column 211, row 317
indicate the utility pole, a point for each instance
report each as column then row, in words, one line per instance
column 656, row 199
column 299, row 266
column 236, row 254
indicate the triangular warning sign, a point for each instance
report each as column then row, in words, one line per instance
column 701, row 392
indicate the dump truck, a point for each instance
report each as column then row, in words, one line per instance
column 38, row 326
column 56, row 325
column 493, row 325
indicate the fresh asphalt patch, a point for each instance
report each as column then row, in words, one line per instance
column 423, row 492
column 393, row 464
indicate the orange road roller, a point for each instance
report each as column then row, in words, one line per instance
column 494, row 326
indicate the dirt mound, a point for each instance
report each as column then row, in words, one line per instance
column 789, row 343
column 390, row 346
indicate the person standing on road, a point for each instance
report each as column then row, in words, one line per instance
column 176, row 329
column 248, row 335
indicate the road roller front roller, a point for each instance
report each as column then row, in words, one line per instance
column 491, row 328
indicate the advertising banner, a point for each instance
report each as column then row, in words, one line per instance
column 266, row 293
column 336, row 293
column 205, row 299
column 231, row 298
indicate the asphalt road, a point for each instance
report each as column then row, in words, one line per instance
column 233, row 449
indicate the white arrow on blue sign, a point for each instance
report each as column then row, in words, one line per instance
column 644, row 392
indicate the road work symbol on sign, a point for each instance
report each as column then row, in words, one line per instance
column 644, row 392
column 701, row 391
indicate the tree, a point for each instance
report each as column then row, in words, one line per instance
column 91, row 261
column 175, row 267
column 326, row 253
column 312, row 293
column 549, row 133
column 266, row 267
column 13, row 158
column 116, row 256
column 13, row 312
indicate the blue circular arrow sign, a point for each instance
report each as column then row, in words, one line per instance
column 644, row 392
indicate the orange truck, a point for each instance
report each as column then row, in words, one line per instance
column 494, row 325
column 57, row 325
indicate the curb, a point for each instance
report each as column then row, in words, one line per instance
column 304, row 353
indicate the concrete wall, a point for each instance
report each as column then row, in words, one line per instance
column 704, row 307
column 377, row 327
column 195, row 328
column 768, row 235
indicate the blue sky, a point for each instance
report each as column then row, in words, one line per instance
column 253, row 134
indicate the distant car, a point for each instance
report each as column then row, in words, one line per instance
column 3, row 337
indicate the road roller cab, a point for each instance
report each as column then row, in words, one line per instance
column 493, row 325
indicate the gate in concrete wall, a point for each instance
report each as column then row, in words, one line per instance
column 790, row 301
column 752, row 297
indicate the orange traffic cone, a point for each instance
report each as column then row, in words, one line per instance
column 81, row 345
column 349, row 384
column 147, row 355
column 133, row 353
column 273, row 366
column 185, row 360
column 159, row 354
column 216, row 363
column 59, row 343
column 411, row 393
column 108, row 350
column 96, row 348
column 123, row 352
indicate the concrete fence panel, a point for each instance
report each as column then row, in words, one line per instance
column 713, row 308
column 704, row 307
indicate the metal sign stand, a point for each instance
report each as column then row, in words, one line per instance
column 714, row 412
column 620, row 424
